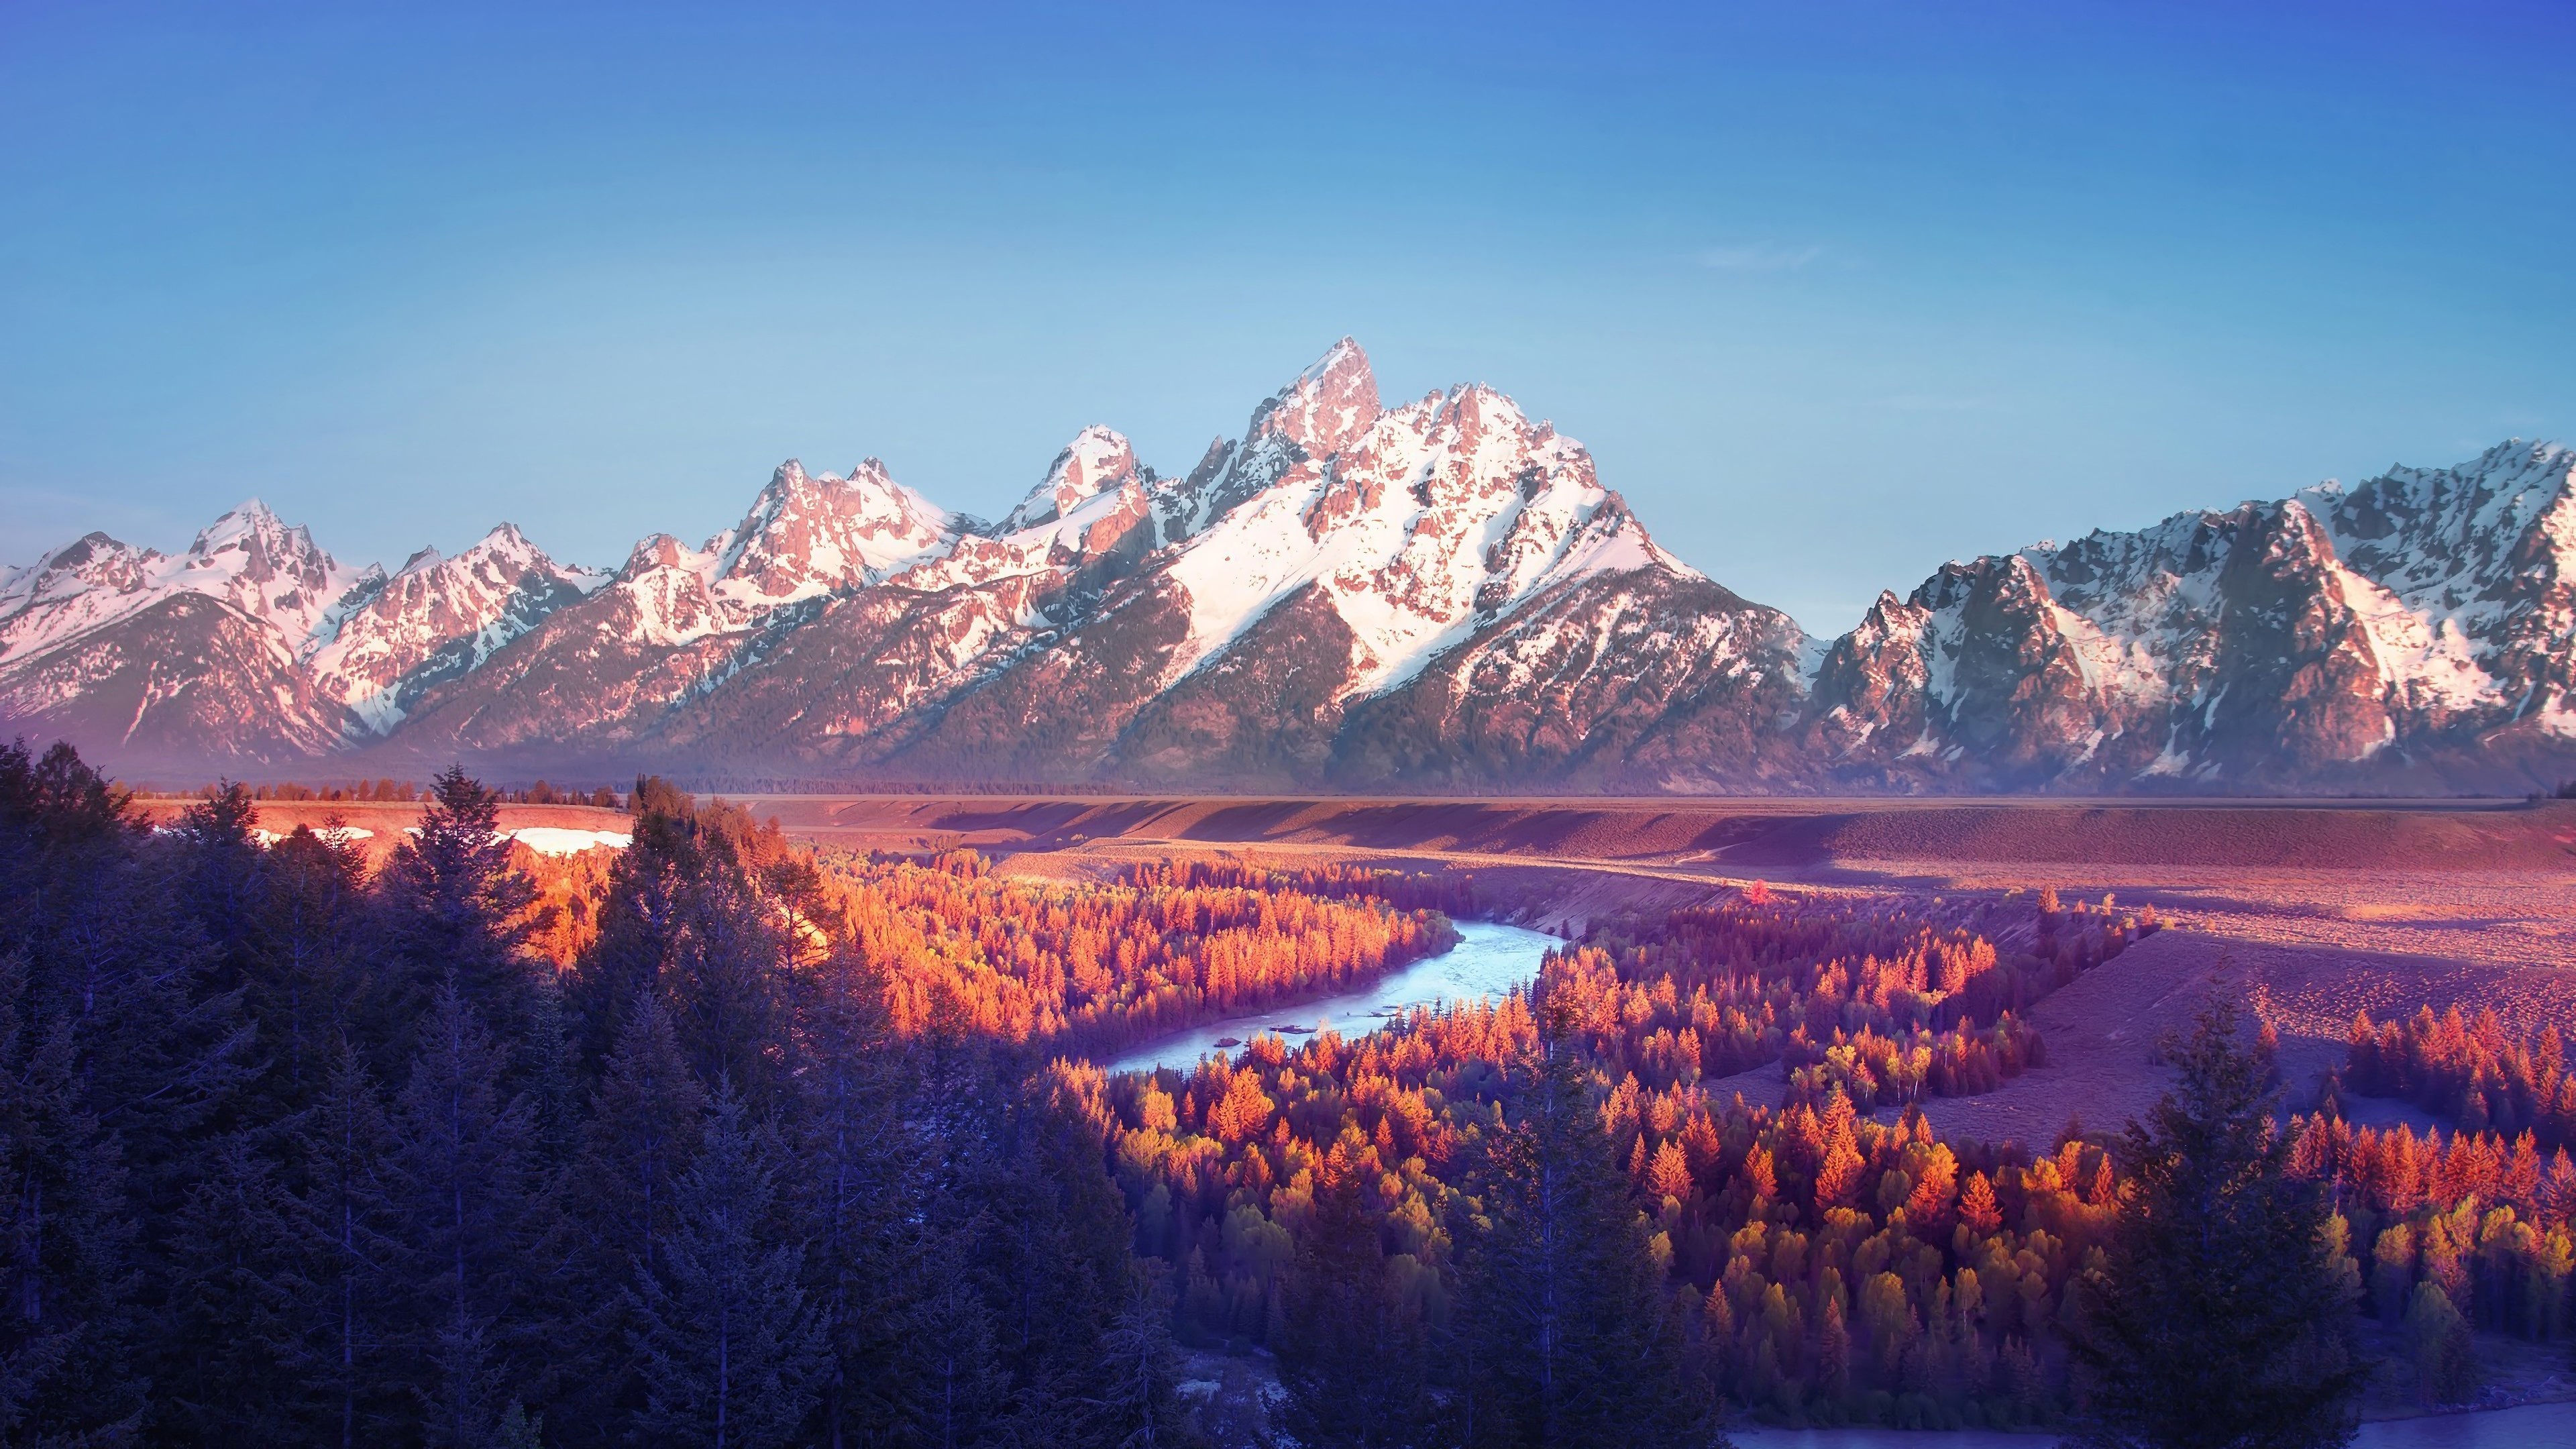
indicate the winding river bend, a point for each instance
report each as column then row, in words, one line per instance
column 1489, row 960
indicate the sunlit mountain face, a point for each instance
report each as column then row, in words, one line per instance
column 1440, row 594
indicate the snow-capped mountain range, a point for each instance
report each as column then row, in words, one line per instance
column 1436, row 595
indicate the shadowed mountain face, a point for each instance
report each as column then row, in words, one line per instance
column 1436, row 595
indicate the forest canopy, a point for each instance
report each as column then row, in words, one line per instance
column 724, row 1139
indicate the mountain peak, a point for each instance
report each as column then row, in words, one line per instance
column 1329, row 407
column 1097, row 461
column 655, row 551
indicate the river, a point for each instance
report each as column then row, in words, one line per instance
column 1489, row 960
column 2532, row 1426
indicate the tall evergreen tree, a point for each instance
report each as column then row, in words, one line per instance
column 857, row 1181
column 939, row 1373
column 461, row 913
column 219, row 873
column 473, row 1213
column 125, row 1047
column 686, row 923
column 642, row 1134
column 1352, row 1356
column 311, row 987
column 1573, row 1338
column 1041, row 1227
column 2218, row 1320
column 353, row 1248
column 68, row 1281
column 642, row 918
column 730, row 1350
column 238, row 1363
column 1138, row 1404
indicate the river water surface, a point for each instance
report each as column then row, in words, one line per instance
column 1489, row 960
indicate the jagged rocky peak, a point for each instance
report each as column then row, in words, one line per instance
column 1329, row 407
column 656, row 551
column 506, row 544
column 92, row 561
column 1098, row 460
column 1440, row 591
column 92, row 555
column 809, row 535
column 2400, row 624
column 253, row 543
column 436, row 618
column 252, row 560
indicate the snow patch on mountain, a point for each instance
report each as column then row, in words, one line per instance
column 1097, row 461
column 437, row 618
column 248, row 559
column 1442, row 516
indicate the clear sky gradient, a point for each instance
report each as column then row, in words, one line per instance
column 1834, row 291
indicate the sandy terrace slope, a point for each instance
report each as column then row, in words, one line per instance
column 1768, row 836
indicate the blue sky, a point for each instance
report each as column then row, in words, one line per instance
column 1833, row 291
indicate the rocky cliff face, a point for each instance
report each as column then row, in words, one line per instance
column 435, row 620
column 2414, row 631
column 1437, row 595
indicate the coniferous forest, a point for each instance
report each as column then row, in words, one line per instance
column 723, row 1140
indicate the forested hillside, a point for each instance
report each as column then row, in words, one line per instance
column 296, row 1155
column 718, row 1140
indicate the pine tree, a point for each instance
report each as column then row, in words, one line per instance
column 473, row 1212
column 1572, row 1337
column 942, row 1380
column 310, row 987
column 124, row 1049
column 461, row 913
column 68, row 1280
column 1138, row 1405
column 1352, row 1357
column 685, row 923
column 219, row 875
column 730, row 1351
column 642, row 1134
column 2217, row 1318
column 728, row 992
column 642, row 918
column 885, row 1293
column 237, row 1369
column 1026, row 1242
column 344, row 1148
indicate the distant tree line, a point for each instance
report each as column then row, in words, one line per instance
column 395, row 792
